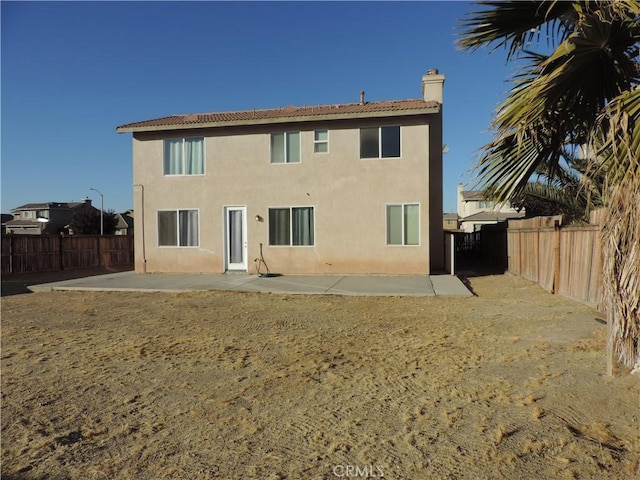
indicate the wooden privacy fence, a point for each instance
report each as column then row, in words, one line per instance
column 35, row 253
column 563, row 259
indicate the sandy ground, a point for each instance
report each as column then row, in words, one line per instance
column 508, row 384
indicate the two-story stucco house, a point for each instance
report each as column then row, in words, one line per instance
column 349, row 188
column 474, row 210
column 50, row 218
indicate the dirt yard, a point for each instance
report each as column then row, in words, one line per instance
column 508, row 384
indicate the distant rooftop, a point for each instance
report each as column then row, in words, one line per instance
column 47, row 205
column 285, row 115
column 492, row 216
column 469, row 195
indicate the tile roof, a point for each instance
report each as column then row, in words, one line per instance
column 47, row 205
column 23, row 223
column 285, row 114
column 473, row 194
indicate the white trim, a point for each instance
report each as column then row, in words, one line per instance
column 244, row 266
column 204, row 157
column 380, row 157
column 386, row 224
column 320, row 142
column 177, row 210
column 290, row 208
column 285, row 152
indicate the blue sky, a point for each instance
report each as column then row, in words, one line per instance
column 73, row 71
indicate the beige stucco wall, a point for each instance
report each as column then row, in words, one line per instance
column 349, row 196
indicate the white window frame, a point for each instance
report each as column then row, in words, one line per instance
column 317, row 142
column 177, row 210
column 290, row 208
column 380, row 157
column 184, row 158
column 285, row 151
column 404, row 240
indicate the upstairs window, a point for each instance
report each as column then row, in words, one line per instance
column 285, row 147
column 380, row 142
column 403, row 224
column 291, row 226
column 184, row 156
column 320, row 141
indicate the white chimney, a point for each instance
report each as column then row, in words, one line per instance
column 432, row 86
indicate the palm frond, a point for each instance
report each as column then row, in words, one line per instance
column 619, row 134
column 543, row 198
column 515, row 24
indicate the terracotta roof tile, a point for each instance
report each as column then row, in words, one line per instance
column 285, row 114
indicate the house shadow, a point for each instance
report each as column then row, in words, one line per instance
column 17, row 284
column 478, row 267
column 474, row 266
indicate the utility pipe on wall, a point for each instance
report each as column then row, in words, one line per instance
column 144, row 256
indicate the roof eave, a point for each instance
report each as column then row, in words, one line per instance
column 280, row 120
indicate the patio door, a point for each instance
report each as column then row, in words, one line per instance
column 236, row 238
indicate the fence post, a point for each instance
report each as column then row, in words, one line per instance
column 556, row 260
column 538, row 256
column 61, row 251
column 98, row 251
column 520, row 253
column 11, row 254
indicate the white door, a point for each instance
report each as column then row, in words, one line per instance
column 236, row 237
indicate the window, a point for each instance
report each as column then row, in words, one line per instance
column 28, row 214
column 320, row 141
column 291, row 226
column 403, row 224
column 380, row 142
column 178, row 228
column 184, row 156
column 285, row 147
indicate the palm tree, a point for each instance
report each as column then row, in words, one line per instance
column 578, row 99
column 569, row 192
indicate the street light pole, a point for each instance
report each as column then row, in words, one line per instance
column 101, row 210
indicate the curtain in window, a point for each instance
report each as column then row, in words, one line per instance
column 235, row 237
column 194, row 156
column 188, row 228
column 302, row 226
column 394, row 224
column 293, row 147
column 279, row 226
column 167, row 232
column 277, row 148
column 411, row 224
column 173, row 164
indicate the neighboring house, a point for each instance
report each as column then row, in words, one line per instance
column 49, row 218
column 474, row 211
column 349, row 188
column 450, row 221
column 6, row 217
column 124, row 225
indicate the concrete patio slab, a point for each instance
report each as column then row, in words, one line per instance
column 378, row 285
